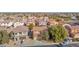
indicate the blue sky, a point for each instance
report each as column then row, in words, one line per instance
column 39, row 5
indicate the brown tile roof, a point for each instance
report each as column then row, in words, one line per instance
column 75, row 27
column 6, row 21
column 20, row 29
column 39, row 28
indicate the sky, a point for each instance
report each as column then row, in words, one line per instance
column 39, row 6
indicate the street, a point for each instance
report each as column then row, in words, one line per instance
column 56, row 45
column 36, row 43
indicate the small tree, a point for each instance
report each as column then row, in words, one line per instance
column 30, row 26
column 45, row 35
column 4, row 37
column 30, row 32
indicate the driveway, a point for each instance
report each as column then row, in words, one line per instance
column 30, row 42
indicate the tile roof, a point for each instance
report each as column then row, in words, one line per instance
column 77, row 26
column 20, row 29
column 39, row 28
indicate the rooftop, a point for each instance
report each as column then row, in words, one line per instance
column 20, row 29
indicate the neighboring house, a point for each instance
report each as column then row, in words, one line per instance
column 75, row 29
column 73, row 17
column 76, row 35
column 52, row 22
column 24, row 21
column 6, row 23
column 19, row 33
column 42, row 23
column 18, row 24
column 29, row 21
column 46, row 18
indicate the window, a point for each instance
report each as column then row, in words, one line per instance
column 15, row 33
column 20, row 32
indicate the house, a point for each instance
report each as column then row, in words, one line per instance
column 61, row 21
column 16, row 24
column 6, row 23
column 75, row 29
column 76, row 35
column 30, row 21
column 42, row 21
column 37, row 31
column 19, row 33
column 73, row 17
column 24, row 21
column 52, row 22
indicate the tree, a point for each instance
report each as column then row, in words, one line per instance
column 30, row 32
column 11, row 35
column 4, row 37
column 45, row 35
column 30, row 26
column 1, row 35
column 57, row 32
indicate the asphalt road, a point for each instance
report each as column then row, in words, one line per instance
column 56, row 45
column 32, row 43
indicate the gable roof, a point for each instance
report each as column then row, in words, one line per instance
column 19, row 29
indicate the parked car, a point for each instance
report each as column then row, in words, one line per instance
column 66, row 41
